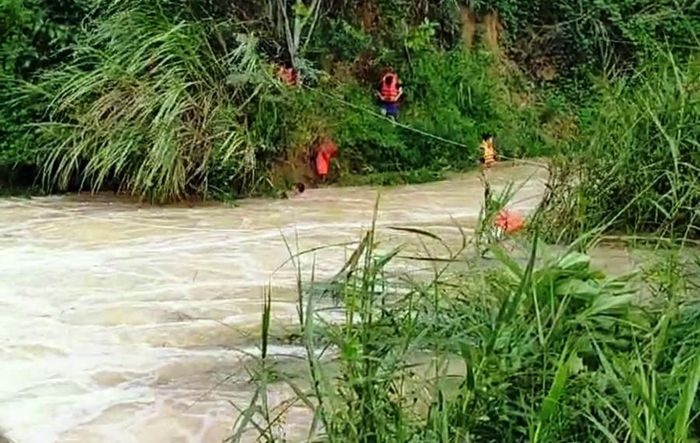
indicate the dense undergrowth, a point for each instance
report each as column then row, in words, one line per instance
column 171, row 99
column 636, row 167
column 164, row 101
column 542, row 348
column 170, row 106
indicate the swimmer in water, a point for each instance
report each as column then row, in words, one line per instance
column 298, row 189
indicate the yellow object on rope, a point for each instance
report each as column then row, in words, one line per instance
column 410, row 128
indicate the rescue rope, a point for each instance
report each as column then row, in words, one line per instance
column 410, row 128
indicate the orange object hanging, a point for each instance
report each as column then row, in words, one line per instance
column 288, row 76
column 326, row 151
column 509, row 221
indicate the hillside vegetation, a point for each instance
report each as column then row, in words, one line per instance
column 169, row 99
column 175, row 99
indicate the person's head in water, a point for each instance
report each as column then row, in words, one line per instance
column 299, row 188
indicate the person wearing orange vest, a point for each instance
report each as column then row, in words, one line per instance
column 389, row 92
column 288, row 75
column 488, row 151
column 327, row 149
column 508, row 222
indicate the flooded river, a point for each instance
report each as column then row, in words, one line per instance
column 119, row 322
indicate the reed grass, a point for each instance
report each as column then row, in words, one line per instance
column 149, row 102
column 636, row 166
column 549, row 349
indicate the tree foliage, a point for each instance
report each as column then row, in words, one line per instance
column 178, row 97
column 35, row 35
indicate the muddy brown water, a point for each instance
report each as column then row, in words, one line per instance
column 119, row 322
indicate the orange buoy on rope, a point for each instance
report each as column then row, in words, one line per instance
column 509, row 222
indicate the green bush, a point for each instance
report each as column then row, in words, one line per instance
column 34, row 35
column 635, row 167
column 450, row 95
column 150, row 102
column 601, row 39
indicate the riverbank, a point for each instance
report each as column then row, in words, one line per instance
column 213, row 117
column 379, row 179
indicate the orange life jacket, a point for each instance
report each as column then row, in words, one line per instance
column 509, row 221
column 489, row 153
column 288, row 75
column 327, row 150
column 389, row 93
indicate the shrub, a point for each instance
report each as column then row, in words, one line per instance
column 635, row 166
column 150, row 101
column 34, row 35
column 548, row 349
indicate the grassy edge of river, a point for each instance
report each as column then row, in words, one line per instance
column 382, row 179
column 550, row 348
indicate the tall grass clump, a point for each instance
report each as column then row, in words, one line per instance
column 540, row 348
column 452, row 95
column 636, row 167
column 151, row 100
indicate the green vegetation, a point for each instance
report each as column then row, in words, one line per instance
column 156, row 108
column 168, row 100
column 34, row 35
column 539, row 348
column 163, row 101
column 636, row 166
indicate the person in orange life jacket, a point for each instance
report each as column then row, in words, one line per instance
column 325, row 152
column 488, row 151
column 288, row 75
column 507, row 221
column 389, row 92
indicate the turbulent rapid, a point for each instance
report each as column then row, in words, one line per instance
column 129, row 324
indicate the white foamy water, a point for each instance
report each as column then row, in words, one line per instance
column 119, row 323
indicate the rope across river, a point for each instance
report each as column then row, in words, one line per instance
column 362, row 109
